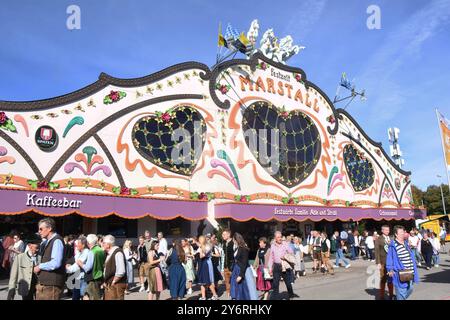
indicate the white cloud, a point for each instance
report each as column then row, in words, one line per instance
column 304, row 19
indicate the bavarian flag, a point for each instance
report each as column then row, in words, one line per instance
column 444, row 126
column 241, row 43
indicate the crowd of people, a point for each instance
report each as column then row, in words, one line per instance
column 94, row 267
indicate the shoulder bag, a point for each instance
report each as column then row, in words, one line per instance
column 406, row 275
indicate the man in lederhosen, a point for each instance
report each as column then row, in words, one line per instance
column 115, row 275
column 51, row 271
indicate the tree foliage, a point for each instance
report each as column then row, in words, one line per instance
column 432, row 198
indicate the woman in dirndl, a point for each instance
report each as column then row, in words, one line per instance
column 242, row 281
column 205, row 272
column 263, row 281
column 155, row 281
column 188, row 264
column 177, row 274
column 299, row 266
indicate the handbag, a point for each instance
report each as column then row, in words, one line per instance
column 266, row 274
column 287, row 262
column 289, row 258
column 406, row 275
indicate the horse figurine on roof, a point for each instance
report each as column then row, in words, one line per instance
column 278, row 51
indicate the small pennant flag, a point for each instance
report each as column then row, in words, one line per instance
column 221, row 40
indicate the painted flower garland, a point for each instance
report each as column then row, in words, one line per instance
column 6, row 123
column 114, row 96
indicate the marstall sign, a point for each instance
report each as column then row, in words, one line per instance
column 49, row 201
column 281, row 88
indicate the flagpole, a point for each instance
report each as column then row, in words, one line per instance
column 443, row 147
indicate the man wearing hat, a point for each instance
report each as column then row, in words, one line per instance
column 22, row 278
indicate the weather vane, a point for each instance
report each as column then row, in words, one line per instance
column 350, row 86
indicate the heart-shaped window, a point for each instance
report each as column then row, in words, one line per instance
column 286, row 144
column 173, row 140
column 359, row 169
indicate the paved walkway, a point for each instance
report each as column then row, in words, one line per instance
column 347, row 284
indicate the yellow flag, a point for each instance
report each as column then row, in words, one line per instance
column 221, row 39
column 244, row 39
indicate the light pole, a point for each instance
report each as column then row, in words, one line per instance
column 442, row 193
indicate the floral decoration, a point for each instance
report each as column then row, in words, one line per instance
column 114, row 96
column 43, row 184
column 206, row 196
column 6, row 123
column 125, row 191
column 223, row 88
column 242, row 198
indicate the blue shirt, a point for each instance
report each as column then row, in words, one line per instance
column 89, row 262
column 56, row 256
column 74, row 267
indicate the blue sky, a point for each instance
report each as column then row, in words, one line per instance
column 404, row 66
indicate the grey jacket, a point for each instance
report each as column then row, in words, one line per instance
column 21, row 274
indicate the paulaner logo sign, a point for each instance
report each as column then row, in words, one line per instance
column 49, row 201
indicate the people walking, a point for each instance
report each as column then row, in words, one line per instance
column 188, row 264
column 277, row 254
column 142, row 263
column 340, row 243
column 317, row 260
column 205, row 272
column 357, row 246
column 263, row 277
column 22, row 278
column 299, row 267
column 177, row 273
column 81, row 255
column 7, row 242
column 242, row 280
column 401, row 265
column 216, row 256
column 93, row 268
column 443, row 236
column 325, row 253
column 115, row 274
column 17, row 248
column 155, row 280
column 370, row 247
column 381, row 249
column 414, row 244
column 435, row 241
column 228, row 251
column 351, row 245
column 51, row 271
column 426, row 248
column 130, row 258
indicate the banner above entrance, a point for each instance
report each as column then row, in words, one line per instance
column 57, row 203
column 266, row 212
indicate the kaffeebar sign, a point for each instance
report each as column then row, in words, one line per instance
column 48, row 201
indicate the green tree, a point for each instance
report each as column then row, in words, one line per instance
column 417, row 195
column 433, row 200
